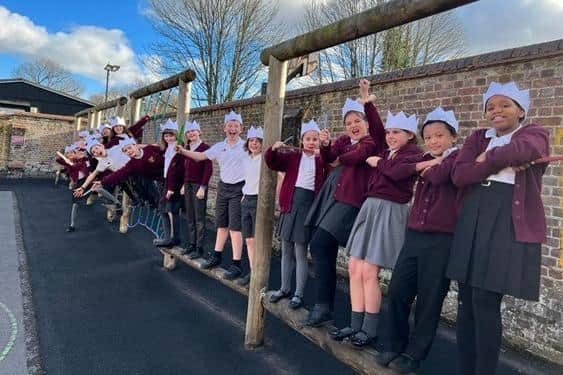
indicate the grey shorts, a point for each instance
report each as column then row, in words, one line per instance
column 248, row 215
column 227, row 206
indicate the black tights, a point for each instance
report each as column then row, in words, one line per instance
column 324, row 251
column 479, row 330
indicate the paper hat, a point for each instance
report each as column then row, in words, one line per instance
column 92, row 143
column 116, row 121
column 401, row 121
column 169, row 126
column 233, row 116
column 439, row 114
column 191, row 126
column 309, row 126
column 126, row 142
column 352, row 105
column 103, row 126
column 83, row 134
column 68, row 149
column 510, row 90
column 255, row 133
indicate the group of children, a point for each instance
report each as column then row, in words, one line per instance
column 477, row 215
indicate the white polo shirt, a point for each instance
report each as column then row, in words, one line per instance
column 230, row 159
column 114, row 160
column 251, row 174
column 306, row 173
column 506, row 175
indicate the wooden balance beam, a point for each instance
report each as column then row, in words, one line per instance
column 361, row 360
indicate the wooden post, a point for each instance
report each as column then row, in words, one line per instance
column 184, row 101
column 134, row 114
column 91, row 120
column 78, row 123
column 273, row 115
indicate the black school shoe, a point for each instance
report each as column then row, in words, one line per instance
column 211, row 261
column 405, row 364
column 243, row 281
column 233, row 272
column 384, row 358
column 70, row 228
column 318, row 317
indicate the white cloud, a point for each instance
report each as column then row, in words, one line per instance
column 83, row 50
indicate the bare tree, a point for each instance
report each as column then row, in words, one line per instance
column 219, row 39
column 429, row 40
column 50, row 74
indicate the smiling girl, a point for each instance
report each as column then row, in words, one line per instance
column 497, row 241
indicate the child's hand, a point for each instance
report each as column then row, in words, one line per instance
column 364, row 89
column 179, row 149
column 182, row 190
column 522, row 167
column 481, row 158
column 373, row 160
column 169, row 194
column 324, row 136
column 277, row 145
column 200, row 194
column 78, row 192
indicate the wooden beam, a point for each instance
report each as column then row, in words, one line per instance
column 121, row 101
column 273, row 117
column 379, row 18
column 184, row 102
column 165, row 84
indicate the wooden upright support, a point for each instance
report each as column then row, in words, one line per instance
column 184, row 101
column 273, row 115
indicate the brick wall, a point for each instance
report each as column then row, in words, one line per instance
column 459, row 85
column 29, row 141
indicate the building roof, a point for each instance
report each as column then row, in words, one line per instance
column 23, row 80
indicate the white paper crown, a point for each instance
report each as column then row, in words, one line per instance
column 169, row 126
column 233, row 116
column 68, row 149
column 255, row 133
column 92, row 143
column 191, row 126
column 439, row 114
column 127, row 142
column 116, row 121
column 352, row 105
column 510, row 90
column 401, row 121
column 309, row 126
column 83, row 134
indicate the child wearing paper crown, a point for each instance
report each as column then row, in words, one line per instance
column 421, row 266
column 120, row 131
column 378, row 231
column 496, row 249
column 196, row 181
column 335, row 208
column 251, row 167
column 170, row 201
column 230, row 155
column 304, row 174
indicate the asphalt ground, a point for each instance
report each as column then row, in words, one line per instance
column 104, row 305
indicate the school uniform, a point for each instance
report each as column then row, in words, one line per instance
column 136, row 131
column 420, row 269
column 196, row 175
column 251, row 167
column 173, row 181
column 334, row 211
column 229, row 190
column 496, row 248
column 379, row 230
column 77, row 172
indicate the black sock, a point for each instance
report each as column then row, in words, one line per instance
column 356, row 320
column 218, row 254
column 236, row 263
column 369, row 325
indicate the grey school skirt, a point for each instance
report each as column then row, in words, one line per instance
column 378, row 233
column 291, row 226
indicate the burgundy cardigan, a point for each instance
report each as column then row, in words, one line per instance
column 175, row 175
column 393, row 179
column 434, row 206
column 198, row 172
column 527, row 144
column 352, row 183
column 74, row 170
column 288, row 162
column 150, row 165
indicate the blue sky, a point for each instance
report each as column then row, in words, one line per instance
column 84, row 35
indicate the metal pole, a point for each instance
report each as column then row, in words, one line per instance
column 107, row 84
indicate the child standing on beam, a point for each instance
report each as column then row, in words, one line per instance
column 120, row 131
column 421, row 266
column 304, row 174
column 252, row 165
column 230, row 155
column 196, row 181
column 496, row 249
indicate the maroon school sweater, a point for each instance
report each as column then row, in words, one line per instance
column 198, row 172
column 393, row 179
column 527, row 144
column 434, row 206
column 288, row 162
column 150, row 165
column 74, row 170
column 175, row 175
